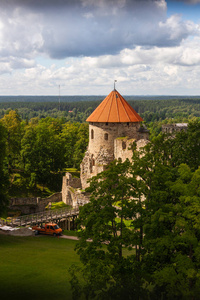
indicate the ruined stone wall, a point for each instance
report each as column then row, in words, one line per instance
column 74, row 183
column 75, row 197
column 92, row 165
column 122, row 147
column 173, row 128
column 33, row 204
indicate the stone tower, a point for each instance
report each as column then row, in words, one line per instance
column 112, row 127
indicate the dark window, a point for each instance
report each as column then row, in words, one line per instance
column 123, row 145
column 107, row 123
column 105, row 136
column 127, row 123
column 93, row 162
column 92, row 134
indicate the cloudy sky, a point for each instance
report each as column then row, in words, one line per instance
column 151, row 47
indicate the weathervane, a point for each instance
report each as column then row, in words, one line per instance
column 114, row 83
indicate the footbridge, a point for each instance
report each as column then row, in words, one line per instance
column 64, row 215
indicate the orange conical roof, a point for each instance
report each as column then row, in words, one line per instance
column 114, row 108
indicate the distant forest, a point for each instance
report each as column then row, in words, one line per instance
column 165, row 109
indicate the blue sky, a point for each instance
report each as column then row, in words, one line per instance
column 151, row 47
column 188, row 10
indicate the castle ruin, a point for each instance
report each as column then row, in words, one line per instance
column 113, row 127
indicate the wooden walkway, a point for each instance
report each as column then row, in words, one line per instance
column 42, row 217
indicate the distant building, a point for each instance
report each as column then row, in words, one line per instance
column 113, row 127
column 172, row 128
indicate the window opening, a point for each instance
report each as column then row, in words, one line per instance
column 106, row 136
column 92, row 134
column 123, row 145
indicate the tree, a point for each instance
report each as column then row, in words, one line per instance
column 43, row 151
column 82, row 139
column 14, row 127
column 186, row 145
column 162, row 200
column 3, row 172
column 75, row 140
column 172, row 240
column 110, row 268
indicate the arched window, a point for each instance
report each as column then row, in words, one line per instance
column 105, row 136
column 92, row 134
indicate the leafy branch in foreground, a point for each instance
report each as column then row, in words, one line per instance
column 110, row 266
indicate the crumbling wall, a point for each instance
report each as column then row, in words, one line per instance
column 123, row 147
column 94, row 164
column 73, row 183
column 71, row 191
column 30, row 205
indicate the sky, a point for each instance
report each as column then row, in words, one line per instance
column 79, row 47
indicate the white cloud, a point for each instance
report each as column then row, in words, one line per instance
column 97, row 41
column 138, row 71
column 93, row 28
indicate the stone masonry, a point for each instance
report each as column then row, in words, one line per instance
column 108, row 140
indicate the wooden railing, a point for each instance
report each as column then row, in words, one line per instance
column 41, row 217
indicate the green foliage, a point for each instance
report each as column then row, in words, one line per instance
column 107, row 272
column 3, row 170
column 37, row 152
column 161, row 197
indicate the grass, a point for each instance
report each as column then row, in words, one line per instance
column 56, row 205
column 36, row 267
column 69, row 232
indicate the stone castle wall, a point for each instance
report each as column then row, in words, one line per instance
column 33, row 204
column 173, row 128
column 109, row 141
column 123, row 147
column 73, row 183
column 102, row 135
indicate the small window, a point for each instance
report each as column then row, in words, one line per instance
column 92, row 134
column 123, row 145
column 127, row 123
column 106, row 123
column 93, row 162
column 105, row 136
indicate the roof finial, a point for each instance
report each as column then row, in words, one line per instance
column 114, row 83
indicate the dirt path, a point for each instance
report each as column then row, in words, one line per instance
column 69, row 237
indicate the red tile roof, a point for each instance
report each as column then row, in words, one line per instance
column 114, row 108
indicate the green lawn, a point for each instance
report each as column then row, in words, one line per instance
column 35, row 267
